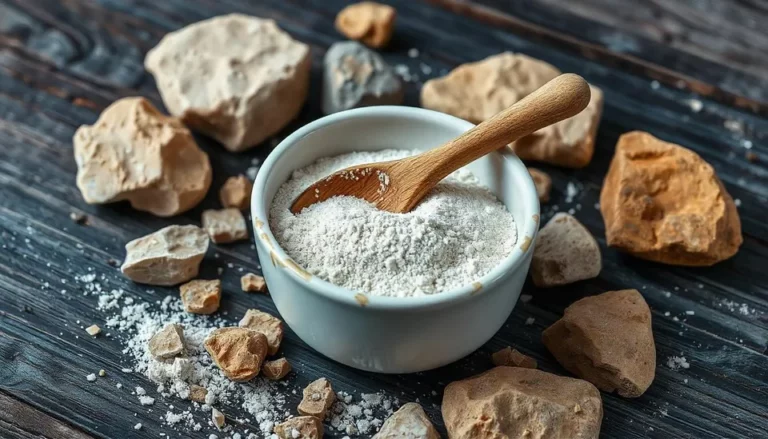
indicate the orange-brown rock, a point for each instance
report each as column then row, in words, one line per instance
column 370, row 23
column 664, row 203
column 236, row 192
column 515, row 402
column 267, row 324
column 238, row 352
column 512, row 358
column 565, row 252
column 276, row 369
column 201, row 296
column 543, row 183
column 318, row 398
column 253, row 283
column 409, row 422
column 170, row 256
column 300, row 427
column 607, row 340
column 225, row 225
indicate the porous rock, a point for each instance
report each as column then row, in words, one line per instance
column 515, row 402
column 276, row 369
column 356, row 77
column 662, row 202
column 267, row 324
column 565, row 252
column 201, row 296
column 253, row 283
column 135, row 153
column 409, row 422
column 236, row 192
column 236, row 78
column 238, row 352
column 543, row 183
column 197, row 393
column 225, row 225
column 368, row 22
column 513, row 358
column 607, row 340
column 168, row 342
column 318, row 398
column 170, row 256
column 476, row 91
column 300, row 427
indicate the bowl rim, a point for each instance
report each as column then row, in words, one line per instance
column 264, row 237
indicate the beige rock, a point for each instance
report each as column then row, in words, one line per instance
column 201, row 296
column 276, row 369
column 300, row 427
column 170, row 256
column 318, row 398
column 477, row 91
column 225, row 226
column 135, row 153
column 218, row 418
column 269, row 325
column 607, row 340
column 236, row 78
column 409, row 422
column 168, row 342
column 253, row 283
column 513, row 358
column 370, row 23
column 197, row 393
column 515, row 402
column 238, row 352
column 662, row 202
column 236, row 192
column 565, row 252
column 543, row 183
column 93, row 330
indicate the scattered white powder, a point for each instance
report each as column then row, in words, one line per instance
column 363, row 417
column 91, row 377
column 457, row 234
column 571, row 190
column 676, row 363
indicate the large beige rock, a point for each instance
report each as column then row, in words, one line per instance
column 662, row 202
column 135, row 153
column 409, row 422
column 516, row 402
column 476, row 91
column 168, row 342
column 238, row 352
column 607, row 340
column 170, row 256
column 236, row 78
column 565, row 252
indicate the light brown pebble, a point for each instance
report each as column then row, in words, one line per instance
column 276, row 369
column 543, row 183
column 238, row 352
column 170, row 256
column 253, row 283
column 565, row 252
column 201, row 296
column 267, row 324
column 300, row 427
column 168, row 342
column 225, row 226
column 236, row 192
column 370, row 23
column 218, row 418
column 513, row 358
column 318, row 398
column 409, row 422
column 93, row 330
column 197, row 393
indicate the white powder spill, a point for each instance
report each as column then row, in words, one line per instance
column 457, row 234
column 675, row 363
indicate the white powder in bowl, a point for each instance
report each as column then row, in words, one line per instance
column 457, row 234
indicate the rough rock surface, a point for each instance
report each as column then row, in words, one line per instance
column 515, row 402
column 565, row 252
column 135, row 153
column 356, row 77
column 236, row 192
column 225, row 225
column 607, row 340
column 197, row 393
column 543, row 183
column 368, row 22
column 409, row 422
column 201, row 296
column 170, row 256
column 300, row 427
column 236, row 78
column 512, row 358
column 318, row 398
column 168, row 342
column 662, row 202
column 267, row 324
column 477, row 91
column 276, row 369
column 238, row 352
column 253, row 283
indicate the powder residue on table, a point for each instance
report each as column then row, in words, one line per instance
column 457, row 234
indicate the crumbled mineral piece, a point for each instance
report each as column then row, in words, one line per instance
column 253, row 283
column 409, row 422
column 224, row 226
column 267, row 324
column 368, row 22
column 135, row 153
column 543, row 183
column 201, row 296
column 276, row 369
column 318, row 398
column 238, row 352
column 170, row 256
column 236, row 78
column 93, row 330
column 168, row 342
column 513, row 358
column 218, row 418
column 664, row 203
column 236, row 192
column 197, row 393
column 300, row 427
column 565, row 252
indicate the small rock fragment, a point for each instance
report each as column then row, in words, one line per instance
column 253, row 283
column 78, row 218
column 565, row 252
column 236, row 192
column 102, row 373
column 170, row 256
column 318, row 398
column 269, row 325
column 409, row 422
column 543, row 183
column 356, row 77
column 201, row 296
column 368, row 22
column 224, row 226
column 218, row 418
column 513, row 358
column 276, row 369
column 93, row 330
column 238, row 352
column 607, row 340
column 168, row 342
column 197, row 393
column 515, row 402
column 300, row 427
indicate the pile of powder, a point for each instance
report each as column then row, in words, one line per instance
column 457, row 234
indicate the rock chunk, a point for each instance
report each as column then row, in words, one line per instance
column 197, row 393
column 368, row 22
column 276, row 369
column 515, row 402
column 236, row 192
column 513, row 358
column 543, row 183
column 300, row 427
column 238, row 352
column 357, row 77
column 236, row 78
column 269, row 325
column 201, row 296
column 170, row 256
column 607, row 340
column 318, row 398
column 135, row 153
column 253, row 283
column 225, row 226
column 662, row 202
column 168, row 342
column 565, row 252
column 477, row 91
column 218, row 418
column 409, row 422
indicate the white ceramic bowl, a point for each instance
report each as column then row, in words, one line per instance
column 386, row 334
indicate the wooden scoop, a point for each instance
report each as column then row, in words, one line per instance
column 397, row 186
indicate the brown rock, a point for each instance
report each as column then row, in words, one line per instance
column 515, row 402
column 543, row 183
column 477, row 91
column 663, row 203
column 236, row 78
column 270, row 326
column 225, row 226
column 135, row 153
column 368, row 22
column 276, row 369
column 238, row 352
column 170, row 256
column 168, row 342
column 236, row 192
column 410, row 422
column 201, row 296
column 565, row 252
column 513, row 358
column 607, row 340
column 197, row 393
column 318, row 398
column 253, row 283
column 300, row 427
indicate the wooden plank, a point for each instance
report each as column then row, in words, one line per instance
column 20, row 421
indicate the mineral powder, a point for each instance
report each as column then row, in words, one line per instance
column 457, row 234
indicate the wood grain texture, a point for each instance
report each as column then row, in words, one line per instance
column 61, row 62
column 20, row 421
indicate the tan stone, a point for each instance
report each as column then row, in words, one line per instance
column 409, row 422
column 170, row 256
column 236, row 192
column 218, row 418
column 370, row 23
column 238, row 352
column 543, row 183
column 477, row 91
column 93, row 330
column 565, row 252
column 168, row 342
column 276, row 369
column 236, row 78
column 513, row 358
column 515, row 402
column 253, row 283
column 225, row 226
column 135, row 153
column 201, row 296
column 269, row 325
column 197, row 393
column 318, row 398
column 607, row 340
column 300, row 427
column 662, row 202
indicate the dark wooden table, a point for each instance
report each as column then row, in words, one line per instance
column 63, row 61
